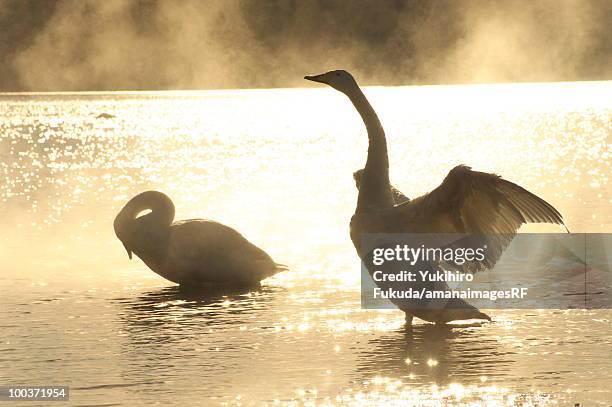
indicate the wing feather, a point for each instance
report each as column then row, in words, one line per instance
column 484, row 204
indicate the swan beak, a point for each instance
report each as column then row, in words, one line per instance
column 315, row 78
column 127, row 249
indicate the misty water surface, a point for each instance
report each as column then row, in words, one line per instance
column 277, row 166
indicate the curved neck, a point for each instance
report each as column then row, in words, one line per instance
column 147, row 236
column 374, row 191
column 162, row 208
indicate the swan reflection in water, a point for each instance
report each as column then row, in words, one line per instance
column 441, row 354
column 190, row 339
column 173, row 314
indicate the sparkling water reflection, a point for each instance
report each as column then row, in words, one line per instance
column 277, row 166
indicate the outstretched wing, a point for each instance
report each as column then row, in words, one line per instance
column 482, row 204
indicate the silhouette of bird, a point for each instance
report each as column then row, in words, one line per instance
column 398, row 196
column 194, row 253
column 467, row 201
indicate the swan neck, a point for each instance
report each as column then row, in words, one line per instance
column 146, row 236
column 162, row 208
column 374, row 191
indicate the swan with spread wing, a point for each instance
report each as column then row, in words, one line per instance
column 467, row 202
column 195, row 253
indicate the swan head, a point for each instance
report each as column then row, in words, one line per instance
column 135, row 228
column 339, row 79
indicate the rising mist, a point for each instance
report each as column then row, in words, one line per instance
column 148, row 44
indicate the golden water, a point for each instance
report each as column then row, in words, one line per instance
column 276, row 165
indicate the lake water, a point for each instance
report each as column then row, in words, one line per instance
column 277, row 165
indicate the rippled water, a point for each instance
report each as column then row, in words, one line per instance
column 277, row 166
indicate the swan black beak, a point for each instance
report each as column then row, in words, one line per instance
column 127, row 249
column 315, row 78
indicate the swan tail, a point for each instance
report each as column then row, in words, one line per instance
column 455, row 310
column 461, row 314
column 268, row 269
column 277, row 268
column 482, row 315
column 465, row 314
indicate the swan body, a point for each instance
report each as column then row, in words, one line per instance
column 467, row 201
column 193, row 253
column 398, row 196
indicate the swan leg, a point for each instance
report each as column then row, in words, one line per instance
column 409, row 317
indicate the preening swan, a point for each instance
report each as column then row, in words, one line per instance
column 467, row 201
column 194, row 253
